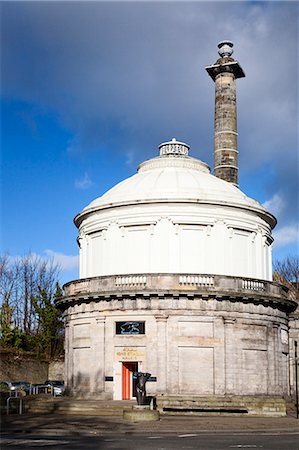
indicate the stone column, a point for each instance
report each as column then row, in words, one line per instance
column 161, row 349
column 225, row 131
column 225, row 72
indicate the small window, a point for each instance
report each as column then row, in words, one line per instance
column 129, row 328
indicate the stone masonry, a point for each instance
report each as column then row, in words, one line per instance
column 225, row 72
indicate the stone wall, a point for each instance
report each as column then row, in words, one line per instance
column 21, row 366
column 56, row 369
column 190, row 345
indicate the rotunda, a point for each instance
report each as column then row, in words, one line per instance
column 173, row 216
column 175, row 279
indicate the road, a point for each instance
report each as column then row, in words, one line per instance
column 119, row 441
column 66, row 432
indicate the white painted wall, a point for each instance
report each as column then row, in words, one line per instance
column 201, row 239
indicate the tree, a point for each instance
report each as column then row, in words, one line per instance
column 286, row 272
column 28, row 317
column 5, row 323
column 50, row 330
column 7, row 283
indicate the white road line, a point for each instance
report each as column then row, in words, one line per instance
column 246, row 446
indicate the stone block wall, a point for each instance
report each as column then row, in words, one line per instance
column 27, row 367
column 190, row 346
column 22, row 367
column 56, row 369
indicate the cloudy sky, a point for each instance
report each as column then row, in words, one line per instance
column 90, row 89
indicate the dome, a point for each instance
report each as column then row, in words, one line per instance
column 173, row 216
column 174, row 177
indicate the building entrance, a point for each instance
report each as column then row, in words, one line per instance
column 128, row 381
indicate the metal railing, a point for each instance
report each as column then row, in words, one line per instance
column 17, row 396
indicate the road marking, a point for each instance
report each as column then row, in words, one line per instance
column 246, row 446
column 187, row 435
column 154, row 437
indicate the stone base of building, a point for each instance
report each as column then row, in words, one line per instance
column 197, row 335
column 262, row 406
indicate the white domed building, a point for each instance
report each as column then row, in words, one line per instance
column 173, row 216
column 175, row 280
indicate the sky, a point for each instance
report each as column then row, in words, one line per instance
column 90, row 89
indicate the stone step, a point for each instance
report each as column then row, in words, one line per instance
column 46, row 405
column 221, row 405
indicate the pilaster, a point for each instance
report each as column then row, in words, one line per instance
column 161, row 321
column 98, row 352
column 230, row 355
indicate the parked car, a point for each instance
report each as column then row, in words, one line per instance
column 22, row 385
column 16, row 386
column 39, row 388
column 56, row 385
column 5, row 386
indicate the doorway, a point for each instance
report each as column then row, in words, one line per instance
column 128, row 381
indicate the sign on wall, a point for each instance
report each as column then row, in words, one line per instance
column 129, row 328
column 130, row 353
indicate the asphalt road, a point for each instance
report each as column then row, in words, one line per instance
column 66, row 432
column 202, row 441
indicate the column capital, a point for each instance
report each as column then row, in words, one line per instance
column 101, row 320
column 161, row 317
column 229, row 320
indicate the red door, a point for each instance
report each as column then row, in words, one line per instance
column 127, row 379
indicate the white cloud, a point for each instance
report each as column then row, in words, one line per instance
column 129, row 158
column 84, row 182
column 65, row 262
column 275, row 205
column 287, row 235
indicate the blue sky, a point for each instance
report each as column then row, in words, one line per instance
column 90, row 89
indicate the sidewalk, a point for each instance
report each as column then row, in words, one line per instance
column 66, row 425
